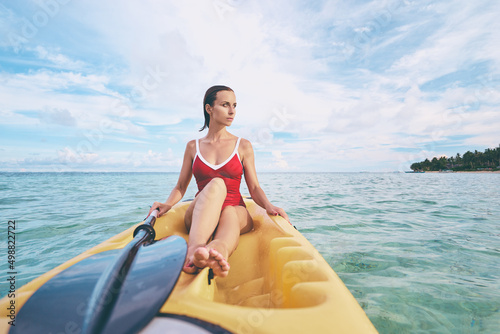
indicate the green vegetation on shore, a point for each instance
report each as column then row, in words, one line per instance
column 470, row 161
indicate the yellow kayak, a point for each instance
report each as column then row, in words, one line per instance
column 278, row 283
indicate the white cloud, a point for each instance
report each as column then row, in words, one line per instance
column 57, row 59
column 93, row 106
column 57, row 116
column 68, row 156
column 71, row 159
column 44, row 81
column 349, row 77
column 461, row 39
column 279, row 161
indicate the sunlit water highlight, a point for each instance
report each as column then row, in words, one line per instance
column 420, row 252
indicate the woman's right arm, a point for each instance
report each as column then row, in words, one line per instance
column 182, row 184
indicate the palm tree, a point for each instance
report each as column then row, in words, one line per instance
column 469, row 161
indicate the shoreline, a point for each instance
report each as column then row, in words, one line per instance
column 468, row 172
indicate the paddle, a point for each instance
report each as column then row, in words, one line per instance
column 107, row 289
column 117, row 291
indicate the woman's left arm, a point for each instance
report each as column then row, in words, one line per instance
column 256, row 192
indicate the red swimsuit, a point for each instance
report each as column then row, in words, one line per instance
column 230, row 171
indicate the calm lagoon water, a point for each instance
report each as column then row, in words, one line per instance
column 420, row 252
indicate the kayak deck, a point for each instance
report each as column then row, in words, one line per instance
column 278, row 282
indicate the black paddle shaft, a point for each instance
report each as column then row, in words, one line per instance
column 108, row 287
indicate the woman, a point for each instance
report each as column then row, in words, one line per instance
column 217, row 161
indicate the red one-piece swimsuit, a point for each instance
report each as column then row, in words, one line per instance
column 230, row 171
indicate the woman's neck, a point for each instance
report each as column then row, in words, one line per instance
column 216, row 134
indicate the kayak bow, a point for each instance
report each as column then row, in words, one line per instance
column 115, row 291
column 278, row 283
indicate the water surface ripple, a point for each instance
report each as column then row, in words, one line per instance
column 420, row 252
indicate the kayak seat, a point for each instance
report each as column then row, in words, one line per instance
column 269, row 269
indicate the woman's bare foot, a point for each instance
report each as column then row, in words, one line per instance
column 218, row 263
column 204, row 257
column 200, row 257
column 189, row 267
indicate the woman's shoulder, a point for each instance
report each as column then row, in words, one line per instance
column 245, row 142
column 191, row 146
column 245, row 145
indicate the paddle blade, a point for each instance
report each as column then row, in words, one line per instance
column 148, row 285
column 59, row 305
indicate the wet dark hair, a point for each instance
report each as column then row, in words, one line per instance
column 210, row 97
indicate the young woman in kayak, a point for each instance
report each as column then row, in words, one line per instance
column 217, row 162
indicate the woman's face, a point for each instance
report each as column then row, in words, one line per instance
column 224, row 108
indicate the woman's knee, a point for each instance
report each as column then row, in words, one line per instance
column 217, row 186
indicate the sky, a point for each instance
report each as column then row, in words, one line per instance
column 321, row 86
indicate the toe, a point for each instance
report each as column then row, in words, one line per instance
column 200, row 257
column 189, row 268
column 225, row 266
column 216, row 255
column 218, row 263
column 219, row 271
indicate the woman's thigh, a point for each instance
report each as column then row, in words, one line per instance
column 214, row 191
column 241, row 214
column 188, row 216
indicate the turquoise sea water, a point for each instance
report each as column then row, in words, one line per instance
column 420, row 252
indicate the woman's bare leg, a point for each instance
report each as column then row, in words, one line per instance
column 234, row 220
column 201, row 220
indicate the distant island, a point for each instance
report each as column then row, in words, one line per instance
column 489, row 160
